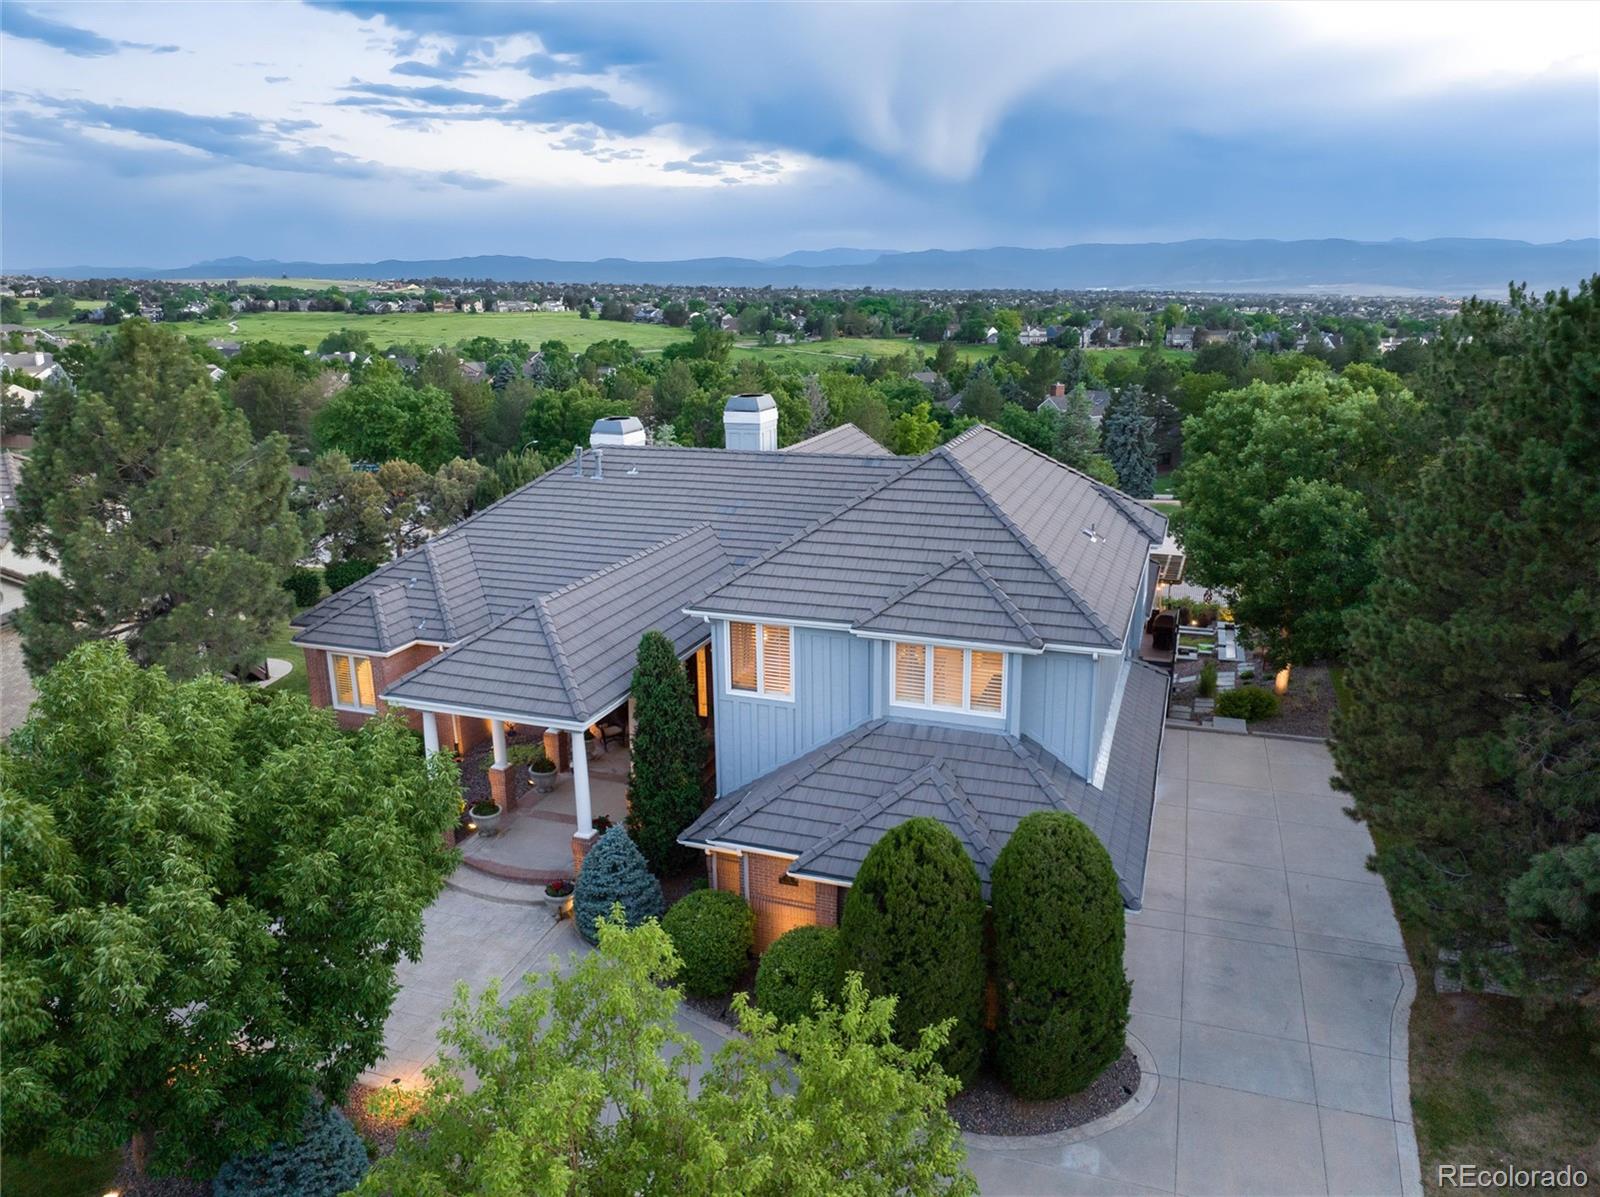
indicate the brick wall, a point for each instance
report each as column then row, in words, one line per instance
column 779, row 906
column 385, row 672
column 725, row 872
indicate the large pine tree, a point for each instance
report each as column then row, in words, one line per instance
column 171, row 530
column 669, row 752
column 1472, row 739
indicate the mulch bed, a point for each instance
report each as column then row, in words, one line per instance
column 1307, row 709
column 985, row 1107
column 131, row 1184
column 721, row 1008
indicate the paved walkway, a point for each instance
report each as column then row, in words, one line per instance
column 1269, row 984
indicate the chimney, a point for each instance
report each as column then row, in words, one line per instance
column 616, row 430
column 1058, row 389
column 750, row 421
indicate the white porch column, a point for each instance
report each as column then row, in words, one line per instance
column 498, row 731
column 580, row 784
column 430, row 733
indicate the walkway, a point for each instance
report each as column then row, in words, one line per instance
column 1269, row 984
column 534, row 842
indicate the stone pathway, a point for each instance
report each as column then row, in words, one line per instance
column 1270, row 987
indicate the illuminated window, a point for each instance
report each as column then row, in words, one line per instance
column 760, row 659
column 352, row 682
column 949, row 679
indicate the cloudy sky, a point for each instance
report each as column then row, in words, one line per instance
column 348, row 130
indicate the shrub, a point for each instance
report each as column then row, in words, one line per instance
column 344, row 573
column 1058, row 938
column 329, row 1158
column 305, row 585
column 713, row 931
column 614, row 871
column 1208, row 679
column 1248, row 702
column 913, row 927
column 799, row 965
column 669, row 752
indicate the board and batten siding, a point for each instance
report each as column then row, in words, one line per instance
column 1060, row 704
column 832, row 694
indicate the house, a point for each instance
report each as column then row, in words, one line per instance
column 474, row 371
column 730, row 323
column 225, row 348
column 992, row 336
column 36, row 364
column 215, row 373
column 867, row 638
column 1099, row 400
column 1180, row 337
column 1032, row 335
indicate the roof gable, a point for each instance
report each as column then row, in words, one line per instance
column 961, row 589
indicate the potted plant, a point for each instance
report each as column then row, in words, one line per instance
column 485, row 814
column 557, row 892
column 541, row 769
column 602, row 824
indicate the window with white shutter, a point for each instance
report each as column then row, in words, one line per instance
column 945, row 678
column 760, row 659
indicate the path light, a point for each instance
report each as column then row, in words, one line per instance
column 1281, row 682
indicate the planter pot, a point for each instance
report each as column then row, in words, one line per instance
column 553, row 900
column 486, row 823
column 543, row 783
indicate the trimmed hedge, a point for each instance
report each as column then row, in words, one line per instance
column 799, row 965
column 913, row 927
column 1058, row 939
column 712, row 931
column 614, row 871
column 328, row 1159
column 305, row 585
column 345, row 573
column 1247, row 702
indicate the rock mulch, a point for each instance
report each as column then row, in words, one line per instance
column 1308, row 706
column 985, row 1107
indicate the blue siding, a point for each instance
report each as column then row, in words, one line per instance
column 832, row 694
column 1058, row 705
column 1106, row 671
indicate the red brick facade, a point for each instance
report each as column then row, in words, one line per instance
column 780, row 902
column 385, row 672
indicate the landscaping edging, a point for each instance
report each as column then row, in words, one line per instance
column 1405, row 1132
column 1149, row 1083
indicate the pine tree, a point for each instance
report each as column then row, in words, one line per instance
column 669, row 752
column 913, row 927
column 172, row 531
column 1130, row 443
column 1471, row 740
column 614, row 873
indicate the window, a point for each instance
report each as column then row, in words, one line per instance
column 760, row 660
column 950, row 679
column 352, row 682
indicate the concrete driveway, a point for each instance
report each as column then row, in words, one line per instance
column 1269, row 984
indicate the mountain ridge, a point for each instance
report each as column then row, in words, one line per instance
column 1446, row 265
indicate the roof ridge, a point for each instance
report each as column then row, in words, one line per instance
column 1026, row 754
column 1004, row 599
column 1023, row 539
column 985, row 578
column 438, row 589
column 927, row 774
column 563, row 666
column 759, row 794
column 1117, row 497
column 912, row 464
column 628, row 560
column 960, row 804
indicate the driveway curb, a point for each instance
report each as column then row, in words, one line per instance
column 1149, row 1083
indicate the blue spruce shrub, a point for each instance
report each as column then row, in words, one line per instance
column 329, row 1159
column 615, row 871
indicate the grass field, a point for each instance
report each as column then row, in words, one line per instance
column 45, row 1175
column 437, row 328
column 279, row 646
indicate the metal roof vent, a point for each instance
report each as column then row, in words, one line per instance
column 1092, row 534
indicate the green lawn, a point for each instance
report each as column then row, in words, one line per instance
column 43, row 1175
column 279, row 646
column 437, row 328
column 1166, row 509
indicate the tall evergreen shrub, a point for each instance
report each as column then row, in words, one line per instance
column 669, row 752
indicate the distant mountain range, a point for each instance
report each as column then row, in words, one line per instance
column 1452, row 265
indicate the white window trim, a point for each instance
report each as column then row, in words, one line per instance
column 966, row 708
column 761, row 662
column 355, row 684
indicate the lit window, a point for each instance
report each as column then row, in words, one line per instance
column 352, row 682
column 760, row 659
column 949, row 679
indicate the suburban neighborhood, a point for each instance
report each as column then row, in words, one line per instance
column 787, row 600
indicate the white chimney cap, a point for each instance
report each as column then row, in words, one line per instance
column 616, row 430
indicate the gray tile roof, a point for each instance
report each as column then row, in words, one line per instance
column 560, row 528
column 846, row 438
column 959, row 591
column 568, row 657
column 828, row 807
column 10, row 475
column 1023, row 516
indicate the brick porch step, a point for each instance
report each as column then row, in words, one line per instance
column 494, row 889
column 505, row 872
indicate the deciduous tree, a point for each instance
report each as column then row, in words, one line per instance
column 206, row 892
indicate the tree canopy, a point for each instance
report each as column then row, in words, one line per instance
column 1471, row 739
column 171, row 529
column 206, row 892
column 385, row 419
